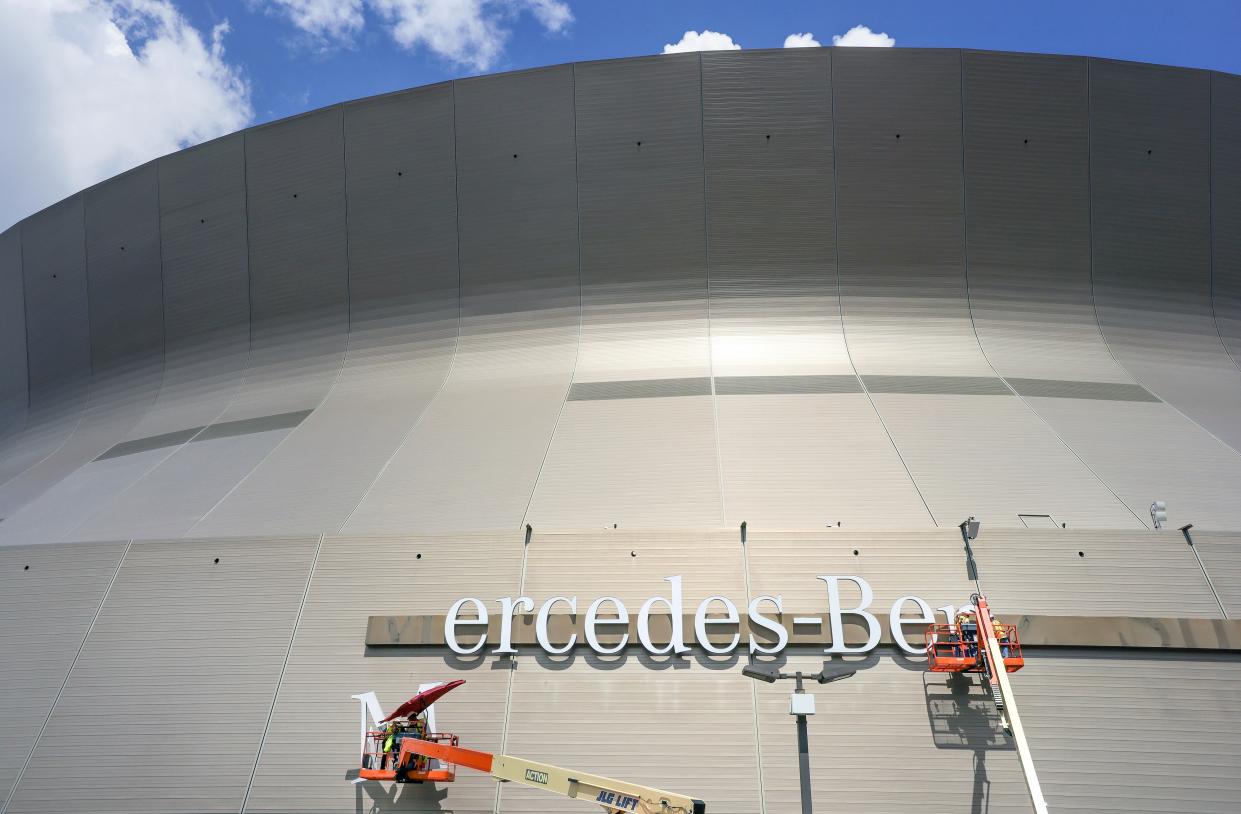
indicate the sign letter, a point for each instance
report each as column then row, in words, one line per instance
column 835, row 614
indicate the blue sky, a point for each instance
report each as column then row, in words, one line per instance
column 287, row 75
column 90, row 88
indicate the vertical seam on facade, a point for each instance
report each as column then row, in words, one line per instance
column 758, row 737
column 21, row 277
column 840, row 297
column 326, row 393
column 245, row 184
column 90, row 333
column 163, row 317
column 706, row 261
column 577, row 352
column 68, row 673
column 969, row 305
column 1211, row 216
column 1094, row 301
column 244, row 372
column 456, row 174
column 90, row 365
column 512, row 670
column 271, row 711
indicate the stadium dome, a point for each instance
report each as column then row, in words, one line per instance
column 748, row 318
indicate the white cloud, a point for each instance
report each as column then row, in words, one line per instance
column 94, row 87
column 862, row 37
column 706, row 41
column 806, row 40
column 471, row 33
column 326, row 20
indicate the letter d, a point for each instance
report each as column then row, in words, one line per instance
column 835, row 614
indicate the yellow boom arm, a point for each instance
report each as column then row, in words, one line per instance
column 614, row 796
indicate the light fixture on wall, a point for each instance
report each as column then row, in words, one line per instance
column 801, row 705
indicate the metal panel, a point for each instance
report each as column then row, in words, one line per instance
column 126, row 329
column 126, row 339
column 295, row 181
column 48, row 596
column 767, row 131
column 124, row 274
column 1226, row 209
column 57, row 340
column 207, row 326
column 805, row 461
column 488, row 429
column 929, row 564
column 902, row 229
column 1027, row 185
column 900, row 218
column 13, row 389
column 1221, row 557
column 403, row 305
column 775, row 314
column 987, row 456
column 314, row 726
column 1104, row 573
column 644, row 281
column 206, row 283
column 1147, row 452
column 632, row 462
column 57, row 315
column 644, row 304
column 181, row 666
column 1130, row 732
column 1151, row 217
column 295, row 184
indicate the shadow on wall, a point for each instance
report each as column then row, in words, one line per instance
column 960, row 719
column 396, row 797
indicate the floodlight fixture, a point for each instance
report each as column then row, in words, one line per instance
column 828, row 678
column 970, row 528
column 1159, row 513
column 761, row 672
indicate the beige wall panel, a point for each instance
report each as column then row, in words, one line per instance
column 1116, row 573
column 806, row 461
column 48, row 596
column 928, row 564
column 1148, row 452
column 1221, row 556
column 165, row 707
column 988, row 456
column 1134, row 733
column 642, row 707
column 893, row 738
column 310, row 752
column 632, row 566
column 687, row 728
column 630, row 461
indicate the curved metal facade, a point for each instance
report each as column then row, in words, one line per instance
column 847, row 296
column 881, row 289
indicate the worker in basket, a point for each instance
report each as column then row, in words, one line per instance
column 397, row 732
column 968, row 626
column 1002, row 635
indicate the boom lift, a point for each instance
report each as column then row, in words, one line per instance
column 980, row 645
column 406, row 751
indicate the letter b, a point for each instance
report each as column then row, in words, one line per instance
column 835, row 614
